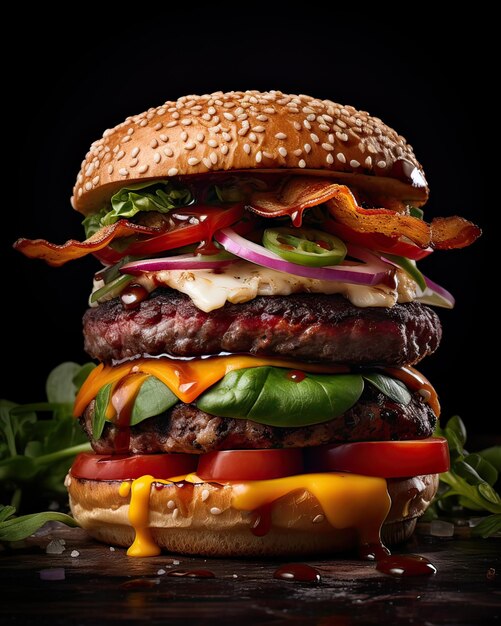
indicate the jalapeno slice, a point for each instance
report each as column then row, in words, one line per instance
column 305, row 246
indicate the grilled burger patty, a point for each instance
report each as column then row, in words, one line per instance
column 308, row 327
column 185, row 428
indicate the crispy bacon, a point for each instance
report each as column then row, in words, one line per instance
column 57, row 255
column 302, row 192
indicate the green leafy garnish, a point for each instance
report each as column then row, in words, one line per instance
column 154, row 398
column 472, row 481
column 39, row 441
column 16, row 528
column 161, row 196
column 390, row 387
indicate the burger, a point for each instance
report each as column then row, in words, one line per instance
column 256, row 318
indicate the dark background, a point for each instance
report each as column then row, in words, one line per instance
column 423, row 76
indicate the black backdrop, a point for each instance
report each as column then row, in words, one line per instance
column 68, row 83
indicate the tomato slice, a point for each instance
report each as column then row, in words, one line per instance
column 233, row 465
column 123, row 467
column 377, row 241
column 385, row 459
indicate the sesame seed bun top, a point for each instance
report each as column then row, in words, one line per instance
column 250, row 130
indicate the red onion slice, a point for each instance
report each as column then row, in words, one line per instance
column 436, row 295
column 179, row 262
column 371, row 273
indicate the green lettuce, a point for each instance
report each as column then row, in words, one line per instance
column 161, row 196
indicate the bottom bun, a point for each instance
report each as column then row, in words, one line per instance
column 199, row 519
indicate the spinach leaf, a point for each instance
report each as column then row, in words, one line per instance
column 17, row 528
column 100, row 406
column 154, row 398
column 391, row 387
column 268, row 395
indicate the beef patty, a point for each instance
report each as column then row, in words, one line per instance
column 309, row 327
column 185, row 428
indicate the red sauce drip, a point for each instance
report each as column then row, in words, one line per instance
column 298, row 571
column 406, row 565
column 261, row 523
column 133, row 295
column 122, row 399
column 296, row 375
column 373, row 551
column 139, row 583
column 193, row 573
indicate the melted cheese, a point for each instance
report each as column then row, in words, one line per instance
column 348, row 501
column 243, row 281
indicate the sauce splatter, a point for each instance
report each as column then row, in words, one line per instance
column 406, row 565
column 299, row 572
column 193, row 573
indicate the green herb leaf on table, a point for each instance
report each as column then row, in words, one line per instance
column 472, row 479
column 39, row 441
column 17, row 528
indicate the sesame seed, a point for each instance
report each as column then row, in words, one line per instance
column 282, row 151
column 224, row 149
column 318, row 518
column 215, row 510
column 134, row 152
column 171, row 504
column 258, row 129
column 153, row 143
column 302, row 163
column 120, row 155
column 193, row 161
column 126, row 139
column 341, row 123
column 368, row 161
column 354, row 163
column 184, row 136
column 161, row 111
column 133, row 163
column 130, row 131
column 207, row 162
column 340, row 157
column 381, row 164
column 212, row 143
column 330, row 159
column 229, row 116
column 74, row 553
column 168, row 152
column 143, row 168
column 172, row 172
column 297, row 125
column 342, row 136
column 88, row 185
column 176, row 115
column 80, row 192
column 157, row 157
column 297, row 152
column 252, row 137
column 280, row 136
column 213, row 158
column 175, row 513
column 327, row 146
column 206, row 117
column 200, row 137
column 310, row 117
column 307, row 124
column 226, row 136
column 262, row 118
column 267, row 155
column 110, row 169
column 314, row 137
column 211, row 110
column 123, row 172
column 307, row 148
column 186, row 122
column 247, row 148
column 89, row 170
column 259, row 156
column 269, row 110
column 205, row 494
column 324, row 127
column 171, row 124
column 190, row 145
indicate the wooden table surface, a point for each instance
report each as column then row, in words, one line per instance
column 97, row 588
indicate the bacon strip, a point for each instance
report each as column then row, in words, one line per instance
column 57, row 255
column 302, row 192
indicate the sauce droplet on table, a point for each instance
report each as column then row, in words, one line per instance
column 406, row 565
column 299, row 572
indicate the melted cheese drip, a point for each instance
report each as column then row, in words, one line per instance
column 243, row 281
column 348, row 501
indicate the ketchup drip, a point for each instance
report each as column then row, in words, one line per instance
column 133, row 295
column 406, row 565
column 122, row 400
column 373, row 551
column 296, row 376
column 299, row 572
column 261, row 524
